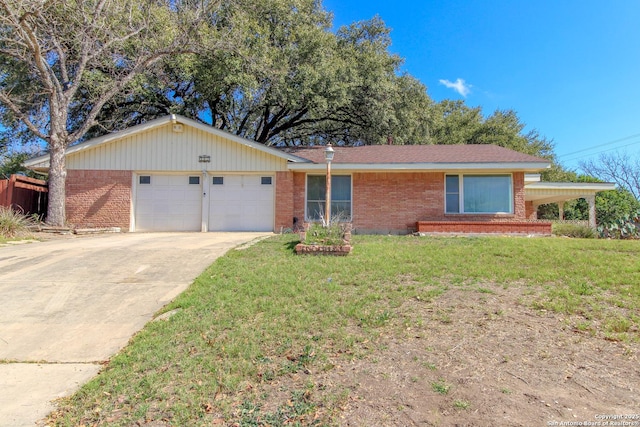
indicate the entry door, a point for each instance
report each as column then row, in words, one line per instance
column 241, row 203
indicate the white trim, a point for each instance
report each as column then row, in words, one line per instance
column 403, row 167
column 573, row 186
column 132, row 202
column 204, row 205
column 461, row 194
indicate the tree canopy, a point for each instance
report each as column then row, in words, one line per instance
column 272, row 71
column 62, row 61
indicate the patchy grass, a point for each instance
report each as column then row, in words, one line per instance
column 440, row 387
column 262, row 314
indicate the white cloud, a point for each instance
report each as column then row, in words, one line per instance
column 459, row 86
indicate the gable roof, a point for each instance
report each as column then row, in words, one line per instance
column 422, row 157
column 43, row 160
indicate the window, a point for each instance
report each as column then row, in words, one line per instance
column 145, row 179
column 340, row 196
column 218, row 180
column 265, row 180
column 194, row 180
column 478, row 194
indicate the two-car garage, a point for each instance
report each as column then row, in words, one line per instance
column 204, row 202
column 175, row 174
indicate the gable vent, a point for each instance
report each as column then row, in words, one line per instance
column 177, row 128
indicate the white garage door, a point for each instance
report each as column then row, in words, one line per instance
column 241, row 203
column 168, row 203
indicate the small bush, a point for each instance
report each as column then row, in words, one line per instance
column 573, row 230
column 333, row 235
column 12, row 222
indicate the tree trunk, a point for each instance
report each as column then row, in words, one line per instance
column 56, row 215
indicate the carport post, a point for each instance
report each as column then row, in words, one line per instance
column 591, row 200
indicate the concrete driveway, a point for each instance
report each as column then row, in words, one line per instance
column 69, row 304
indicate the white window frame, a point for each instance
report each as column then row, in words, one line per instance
column 461, row 194
column 306, row 193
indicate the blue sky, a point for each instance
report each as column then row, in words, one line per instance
column 570, row 69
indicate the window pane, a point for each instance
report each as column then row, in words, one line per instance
column 194, row 180
column 217, row 180
column 315, row 210
column 341, row 210
column 315, row 187
column 453, row 203
column 145, row 179
column 452, row 199
column 487, row 194
column 340, row 188
column 452, row 184
column 340, row 196
column 265, row 180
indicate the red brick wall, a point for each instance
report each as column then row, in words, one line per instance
column 299, row 188
column 99, row 198
column 385, row 202
column 393, row 202
column 495, row 227
column 284, row 201
column 531, row 211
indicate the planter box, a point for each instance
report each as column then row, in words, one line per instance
column 339, row 250
column 319, row 249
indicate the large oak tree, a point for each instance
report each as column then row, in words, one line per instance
column 62, row 61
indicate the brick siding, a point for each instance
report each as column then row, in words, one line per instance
column 99, row 198
column 386, row 202
column 494, row 227
column 284, row 202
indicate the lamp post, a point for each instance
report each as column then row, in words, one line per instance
column 328, row 156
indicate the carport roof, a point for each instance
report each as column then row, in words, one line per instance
column 554, row 192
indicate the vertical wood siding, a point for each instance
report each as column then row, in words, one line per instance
column 161, row 149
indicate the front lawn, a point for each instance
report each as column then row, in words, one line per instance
column 266, row 337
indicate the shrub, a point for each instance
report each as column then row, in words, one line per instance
column 627, row 227
column 573, row 230
column 12, row 222
column 333, row 235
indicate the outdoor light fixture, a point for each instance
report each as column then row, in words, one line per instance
column 204, row 158
column 328, row 153
column 328, row 156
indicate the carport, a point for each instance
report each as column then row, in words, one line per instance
column 541, row 193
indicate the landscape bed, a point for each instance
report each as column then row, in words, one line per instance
column 404, row 331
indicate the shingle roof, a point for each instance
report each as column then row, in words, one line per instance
column 391, row 154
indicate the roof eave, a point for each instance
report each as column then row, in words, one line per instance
column 402, row 167
column 41, row 162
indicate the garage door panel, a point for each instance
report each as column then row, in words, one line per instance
column 241, row 203
column 168, row 203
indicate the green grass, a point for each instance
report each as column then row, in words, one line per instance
column 264, row 314
column 440, row 387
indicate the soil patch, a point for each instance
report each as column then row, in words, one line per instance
column 477, row 357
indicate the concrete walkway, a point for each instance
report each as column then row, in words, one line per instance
column 68, row 305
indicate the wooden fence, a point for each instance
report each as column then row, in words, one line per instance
column 24, row 194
